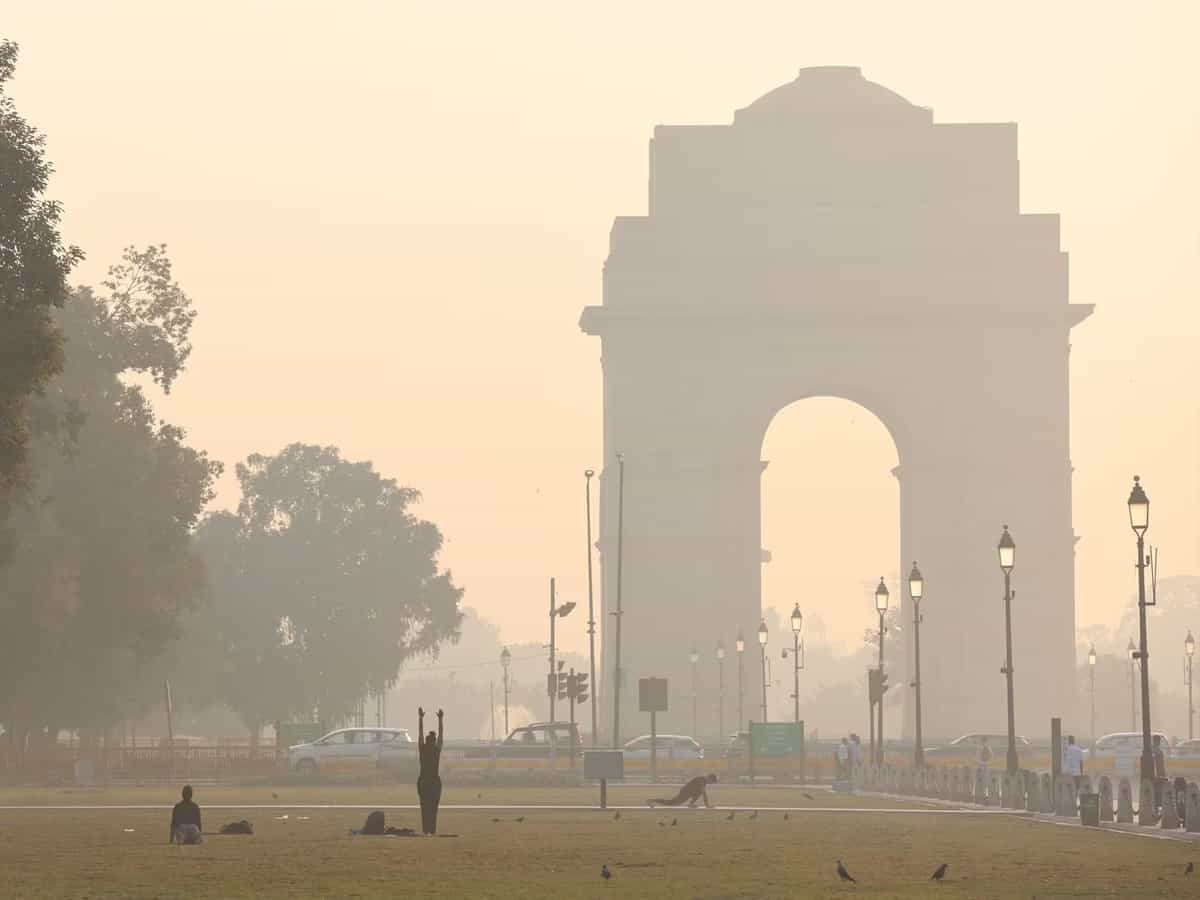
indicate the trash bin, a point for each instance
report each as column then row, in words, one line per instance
column 1089, row 809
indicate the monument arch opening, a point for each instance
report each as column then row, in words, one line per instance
column 835, row 239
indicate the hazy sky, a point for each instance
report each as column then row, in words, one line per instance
column 390, row 215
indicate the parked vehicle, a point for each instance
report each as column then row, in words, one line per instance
column 1127, row 743
column 353, row 748
column 968, row 745
column 1189, row 749
column 666, row 746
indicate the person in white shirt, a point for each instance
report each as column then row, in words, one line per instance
column 1073, row 761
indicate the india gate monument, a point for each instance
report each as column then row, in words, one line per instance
column 834, row 240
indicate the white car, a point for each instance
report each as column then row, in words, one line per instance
column 669, row 746
column 1127, row 743
column 353, row 748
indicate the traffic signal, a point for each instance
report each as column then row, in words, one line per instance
column 581, row 687
column 883, row 685
column 563, row 682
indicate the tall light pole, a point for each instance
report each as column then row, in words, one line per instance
column 1092, row 670
column 1189, row 650
column 1139, row 521
column 881, row 605
column 721, row 690
column 505, row 662
column 797, row 624
column 556, row 612
column 617, row 685
column 916, row 590
column 588, row 474
column 694, row 657
column 1007, row 551
column 740, row 646
column 1132, row 650
column 762, row 643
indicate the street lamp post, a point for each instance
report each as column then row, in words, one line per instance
column 505, row 662
column 881, row 605
column 740, row 645
column 1092, row 670
column 916, row 590
column 695, row 658
column 1139, row 521
column 762, row 643
column 588, row 474
column 1132, row 650
column 1189, row 649
column 721, row 690
column 1007, row 550
column 797, row 624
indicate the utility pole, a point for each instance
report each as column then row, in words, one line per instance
column 587, row 476
column 553, row 681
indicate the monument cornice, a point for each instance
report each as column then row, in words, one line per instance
column 600, row 320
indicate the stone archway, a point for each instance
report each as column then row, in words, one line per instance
column 835, row 240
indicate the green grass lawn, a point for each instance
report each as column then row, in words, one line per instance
column 559, row 854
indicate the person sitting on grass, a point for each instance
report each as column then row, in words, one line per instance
column 694, row 790
column 185, row 820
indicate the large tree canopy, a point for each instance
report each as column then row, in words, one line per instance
column 322, row 585
column 104, row 565
column 34, row 266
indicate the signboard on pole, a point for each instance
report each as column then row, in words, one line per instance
column 776, row 738
column 652, row 695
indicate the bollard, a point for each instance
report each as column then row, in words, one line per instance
column 1147, row 809
column 993, row 796
column 980, row 792
column 1191, row 808
column 1046, row 789
column 1106, row 799
column 1170, row 812
column 1124, row 802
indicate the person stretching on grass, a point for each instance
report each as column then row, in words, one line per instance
column 690, row 793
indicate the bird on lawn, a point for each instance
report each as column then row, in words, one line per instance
column 674, row 822
column 604, row 873
column 520, row 818
column 274, row 796
column 843, row 874
column 1191, row 867
column 785, row 817
column 662, row 823
column 939, row 873
column 617, row 817
column 808, row 796
column 729, row 818
column 754, row 815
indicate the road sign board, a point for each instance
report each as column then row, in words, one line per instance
column 775, row 738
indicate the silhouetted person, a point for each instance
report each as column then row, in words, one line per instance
column 1073, row 761
column 690, row 793
column 429, row 782
column 185, row 820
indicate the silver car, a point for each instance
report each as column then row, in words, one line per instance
column 667, row 746
column 353, row 748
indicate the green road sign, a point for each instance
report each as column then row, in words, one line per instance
column 775, row 738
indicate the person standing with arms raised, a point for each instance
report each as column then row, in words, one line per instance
column 429, row 782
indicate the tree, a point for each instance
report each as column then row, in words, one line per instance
column 321, row 586
column 34, row 266
column 104, row 567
